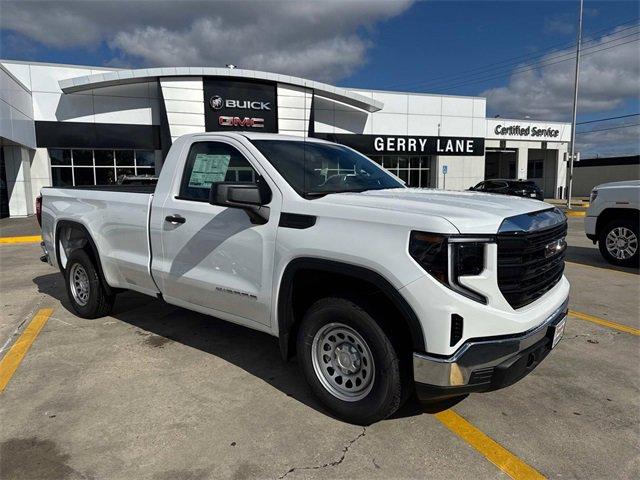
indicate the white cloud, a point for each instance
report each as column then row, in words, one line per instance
column 321, row 39
column 606, row 143
column 607, row 80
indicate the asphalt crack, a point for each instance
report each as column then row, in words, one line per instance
column 335, row 463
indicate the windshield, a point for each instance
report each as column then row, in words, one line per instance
column 316, row 169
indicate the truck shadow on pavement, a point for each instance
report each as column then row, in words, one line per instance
column 255, row 352
column 591, row 256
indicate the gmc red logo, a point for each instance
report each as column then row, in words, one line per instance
column 241, row 122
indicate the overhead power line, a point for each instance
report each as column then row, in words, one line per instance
column 542, row 65
column 608, row 118
column 521, row 58
column 610, row 128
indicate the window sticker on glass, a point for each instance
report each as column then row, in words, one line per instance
column 208, row 169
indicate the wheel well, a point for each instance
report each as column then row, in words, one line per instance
column 610, row 214
column 306, row 281
column 72, row 236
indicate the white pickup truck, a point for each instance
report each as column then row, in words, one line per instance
column 612, row 220
column 378, row 289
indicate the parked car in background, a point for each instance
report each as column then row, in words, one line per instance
column 612, row 221
column 519, row 188
column 380, row 290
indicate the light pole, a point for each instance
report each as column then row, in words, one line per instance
column 575, row 108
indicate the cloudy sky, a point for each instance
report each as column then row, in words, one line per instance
column 517, row 54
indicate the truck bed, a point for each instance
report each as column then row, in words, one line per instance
column 117, row 217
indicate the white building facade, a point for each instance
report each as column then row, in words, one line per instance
column 72, row 125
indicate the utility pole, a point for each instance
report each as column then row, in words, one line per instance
column 575, row 108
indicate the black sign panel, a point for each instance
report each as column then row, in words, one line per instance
column 240, row 105
column 408, row 145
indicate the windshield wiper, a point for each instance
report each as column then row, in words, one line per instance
column 322, row 194
column 328, row 192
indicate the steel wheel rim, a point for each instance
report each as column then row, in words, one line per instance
column 622, row 243
column 79, row 283
column 343, row 362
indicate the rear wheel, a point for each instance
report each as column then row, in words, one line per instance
column 350, row 362
column 84, row 287
column 618, row 243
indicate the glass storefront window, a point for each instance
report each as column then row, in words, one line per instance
column 104, row 158
column 61, row 176
column 105, row 176
column 125, row 171
column 82, row 157
column 60, row 157
column 145, row 158
column 124, row 158
column 145, row 171
column 413, row 170
column 83, row 176
column 390, row 162
column 98, row 167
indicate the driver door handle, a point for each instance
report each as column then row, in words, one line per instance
column 175, row 219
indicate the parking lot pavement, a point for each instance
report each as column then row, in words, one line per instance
column 13, row 227
column 158, row 392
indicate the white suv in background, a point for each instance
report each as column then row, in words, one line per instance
column 612, row 221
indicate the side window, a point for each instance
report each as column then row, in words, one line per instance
column 210, row 162
column 479, row 186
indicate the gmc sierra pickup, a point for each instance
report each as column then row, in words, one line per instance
column 378, row 289
column 613, row 220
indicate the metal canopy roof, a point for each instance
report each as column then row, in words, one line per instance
column 122, row 77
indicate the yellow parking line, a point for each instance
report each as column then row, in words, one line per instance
column 605, row 323
column 26, row 239
column 575, row 213
column 492, row 450
column 11, row 361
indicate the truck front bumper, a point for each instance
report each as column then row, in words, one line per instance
column 481, row 365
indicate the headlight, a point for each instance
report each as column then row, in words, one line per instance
column 593, row 196
column 447, row 258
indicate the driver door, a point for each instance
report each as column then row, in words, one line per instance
column 214, row 257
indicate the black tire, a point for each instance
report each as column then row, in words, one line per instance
column 97, row 302
column 610, row 256
column 388, row 385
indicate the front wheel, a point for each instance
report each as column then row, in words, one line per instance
column 349, row 361
column 84, row 287
column 618, row 243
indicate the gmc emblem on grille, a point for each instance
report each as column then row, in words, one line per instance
column 554, row 248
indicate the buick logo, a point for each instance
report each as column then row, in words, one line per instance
column 554, row 248
column 216, row 102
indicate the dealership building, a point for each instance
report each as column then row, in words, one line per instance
column 75, row 125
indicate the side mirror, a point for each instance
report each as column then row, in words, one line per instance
column 248, row 196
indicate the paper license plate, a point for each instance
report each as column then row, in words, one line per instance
column 558, row 332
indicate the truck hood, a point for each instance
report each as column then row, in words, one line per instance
column 624, row 183
column 469, row 212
